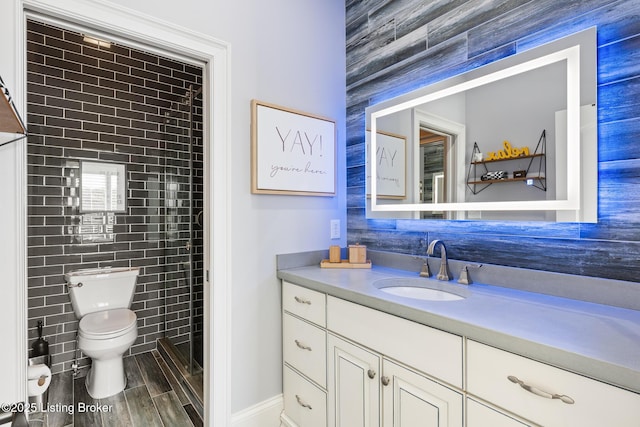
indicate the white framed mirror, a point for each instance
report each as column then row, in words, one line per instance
column 531, row 115
column 103, row 187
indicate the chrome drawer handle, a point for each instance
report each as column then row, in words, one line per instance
column 302, row 346
column 371, row 373
column 303, row 403
column 302, row 300
column 564, row 398
column 384, row 380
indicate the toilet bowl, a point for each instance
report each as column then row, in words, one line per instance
column 101, row 299
column 104, row 336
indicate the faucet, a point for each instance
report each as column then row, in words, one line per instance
column 443, row 274
column 464, row 274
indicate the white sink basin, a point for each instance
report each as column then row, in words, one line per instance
column 420, row 288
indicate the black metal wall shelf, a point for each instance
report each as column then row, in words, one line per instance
column 538, row 180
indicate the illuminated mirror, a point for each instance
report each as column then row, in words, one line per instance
column 515, row 139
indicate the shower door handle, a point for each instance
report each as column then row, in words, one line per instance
column 188, row 246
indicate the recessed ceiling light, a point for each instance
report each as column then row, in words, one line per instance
column 97, row 42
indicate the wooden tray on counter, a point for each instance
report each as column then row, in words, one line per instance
column 344, row 264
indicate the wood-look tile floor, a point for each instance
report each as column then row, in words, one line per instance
column 152, row 397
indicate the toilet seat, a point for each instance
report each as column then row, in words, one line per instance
column 107, row 324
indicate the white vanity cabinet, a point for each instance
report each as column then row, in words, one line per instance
column 432, row 351
column 304, row 351
column 544, row 394
column 365, row 389
column 347, row 365
column 384, row 379
column 378, row 370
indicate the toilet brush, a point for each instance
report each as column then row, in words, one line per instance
column 40, row 347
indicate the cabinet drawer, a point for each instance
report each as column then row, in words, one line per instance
column 303, row 302
column 304, row 403
column 481, row 415
column 594, row 403
column 429, row 350
column 305, row 348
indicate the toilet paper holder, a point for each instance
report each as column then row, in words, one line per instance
column 40, row 401
column 45, row 359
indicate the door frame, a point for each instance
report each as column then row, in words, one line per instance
column 456, row 152
column 134, row 26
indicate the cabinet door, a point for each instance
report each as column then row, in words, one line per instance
column 353, row 385
column 410, row 399
column 479, row 415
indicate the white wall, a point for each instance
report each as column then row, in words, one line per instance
column 287, row 52
column 13, row 356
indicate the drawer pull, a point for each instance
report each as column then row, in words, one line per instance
column 302, row 300
column 303, row 403
column 371, row 373
column 541, row 393
column 302, row 346
column 384, row 380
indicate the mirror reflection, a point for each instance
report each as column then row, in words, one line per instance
column 432, row 159
column 512, row 140
column 102, row 187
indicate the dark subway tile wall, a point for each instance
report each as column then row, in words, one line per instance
column 113, row 104
column 394, row 47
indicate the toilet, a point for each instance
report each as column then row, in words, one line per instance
column 101, row 298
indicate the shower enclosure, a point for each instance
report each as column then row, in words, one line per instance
column 183, row 213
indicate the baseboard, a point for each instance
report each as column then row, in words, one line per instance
column 263, row 414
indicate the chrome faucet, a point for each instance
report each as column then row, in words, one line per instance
column 443, row 274
column 464, row 274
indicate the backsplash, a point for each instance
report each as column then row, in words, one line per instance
column 395, row 47
column 113, row 104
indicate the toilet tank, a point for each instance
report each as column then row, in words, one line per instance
column 98, row 289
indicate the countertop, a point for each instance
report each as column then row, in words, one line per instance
column 595, row 340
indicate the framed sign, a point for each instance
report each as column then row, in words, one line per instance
column 291, row 152
column 391, row 165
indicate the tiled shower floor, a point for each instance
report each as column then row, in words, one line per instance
column 152, row 397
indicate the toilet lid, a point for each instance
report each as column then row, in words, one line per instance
column 108, row 322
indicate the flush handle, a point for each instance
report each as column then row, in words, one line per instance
column 71, row 285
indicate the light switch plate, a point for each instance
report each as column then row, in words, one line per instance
column 334, row 225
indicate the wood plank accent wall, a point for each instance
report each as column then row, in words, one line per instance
column 394, row 47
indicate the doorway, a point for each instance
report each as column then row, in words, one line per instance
column 99, row 103
column 142, row 30
column 440, row 161
column 434, row 147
